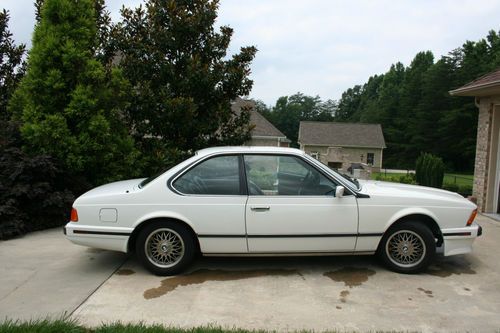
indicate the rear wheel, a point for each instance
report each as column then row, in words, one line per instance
column 408, row 247
column 165, row 247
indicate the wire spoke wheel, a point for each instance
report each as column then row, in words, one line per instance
column 405, row 248
column 164, row 247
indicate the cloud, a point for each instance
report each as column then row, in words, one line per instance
column 326, row 46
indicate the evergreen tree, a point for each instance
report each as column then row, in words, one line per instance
column 68, row 102
column 11, row 64
column 183, row 80
column 289, row 111
column 102, row 47
column 415, row 108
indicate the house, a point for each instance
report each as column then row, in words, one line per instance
column 339, row 145
column 486, row 186
column 263, row 132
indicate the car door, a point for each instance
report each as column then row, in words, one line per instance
column 292, row 207
column 212, row 197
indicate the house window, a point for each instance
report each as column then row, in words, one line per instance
column 315, row 155
column 370, row 158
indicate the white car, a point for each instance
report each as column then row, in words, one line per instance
column 253, row 201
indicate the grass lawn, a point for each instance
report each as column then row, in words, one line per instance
column 449, row 178
column 72, row 326
column 459, row 179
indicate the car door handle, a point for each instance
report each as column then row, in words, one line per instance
column 260, row 208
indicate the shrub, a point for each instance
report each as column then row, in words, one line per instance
column 33, row 191
column 451, row 187
column 429, row 170
column 465, row 190
column 407, row 179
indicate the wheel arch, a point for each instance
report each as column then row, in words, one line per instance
column 426, row 218
column 155, row 218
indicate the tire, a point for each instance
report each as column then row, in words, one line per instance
column 408, row 247
column 165, row 247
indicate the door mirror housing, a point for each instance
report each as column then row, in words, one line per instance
column 339, row 191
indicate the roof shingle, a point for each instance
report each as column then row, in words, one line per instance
column 341, row 134
column 486, row 81
column 262, row 126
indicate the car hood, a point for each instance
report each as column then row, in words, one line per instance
column 372, row 187
column 111, row 189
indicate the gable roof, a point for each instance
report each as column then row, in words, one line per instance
column 262, row 126
column 341, row 134
column 487, row 84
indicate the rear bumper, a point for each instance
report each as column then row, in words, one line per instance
column 459, row 240
column 106, row 238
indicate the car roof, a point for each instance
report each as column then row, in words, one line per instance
column 248, row 149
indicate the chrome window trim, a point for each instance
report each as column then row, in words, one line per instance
column 307, row 159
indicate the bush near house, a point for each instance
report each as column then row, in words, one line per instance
column 429, row 170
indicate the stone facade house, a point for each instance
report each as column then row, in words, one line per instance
column 486, row 187
column 339, row 145
column 263, row 132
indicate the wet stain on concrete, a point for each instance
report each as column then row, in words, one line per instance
column 427, row 292
column 204, row 275
column 125, row 271
column 92, row 250
column 351, row 276
column 451, row 267
column 343, row 295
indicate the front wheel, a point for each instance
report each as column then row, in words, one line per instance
column 408, row 247
column 165, row 247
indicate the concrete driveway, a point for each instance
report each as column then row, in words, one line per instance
column 42, row 274
column 460, row 293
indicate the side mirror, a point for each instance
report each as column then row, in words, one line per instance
column 339, row 191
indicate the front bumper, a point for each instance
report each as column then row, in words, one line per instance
column 459, row 240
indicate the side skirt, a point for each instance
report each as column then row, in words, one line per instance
column 288, row 254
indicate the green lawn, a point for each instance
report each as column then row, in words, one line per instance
column 72, row 326
column 459, row 179
column 449, row 178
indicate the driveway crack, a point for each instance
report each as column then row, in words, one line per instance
column 98, row 287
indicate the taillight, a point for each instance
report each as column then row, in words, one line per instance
column 74, row 215
column 472, row 217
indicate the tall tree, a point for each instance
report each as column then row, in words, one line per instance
column 102, row 47
column 183, row 79
column 415, row 109
column 290, row 110
column 11, row 64
column 68, row 102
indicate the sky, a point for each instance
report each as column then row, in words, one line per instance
column 323, row 47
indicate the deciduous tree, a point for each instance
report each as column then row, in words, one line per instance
column 183, row 78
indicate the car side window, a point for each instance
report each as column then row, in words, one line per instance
column 215, row 176
column 285, row 175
